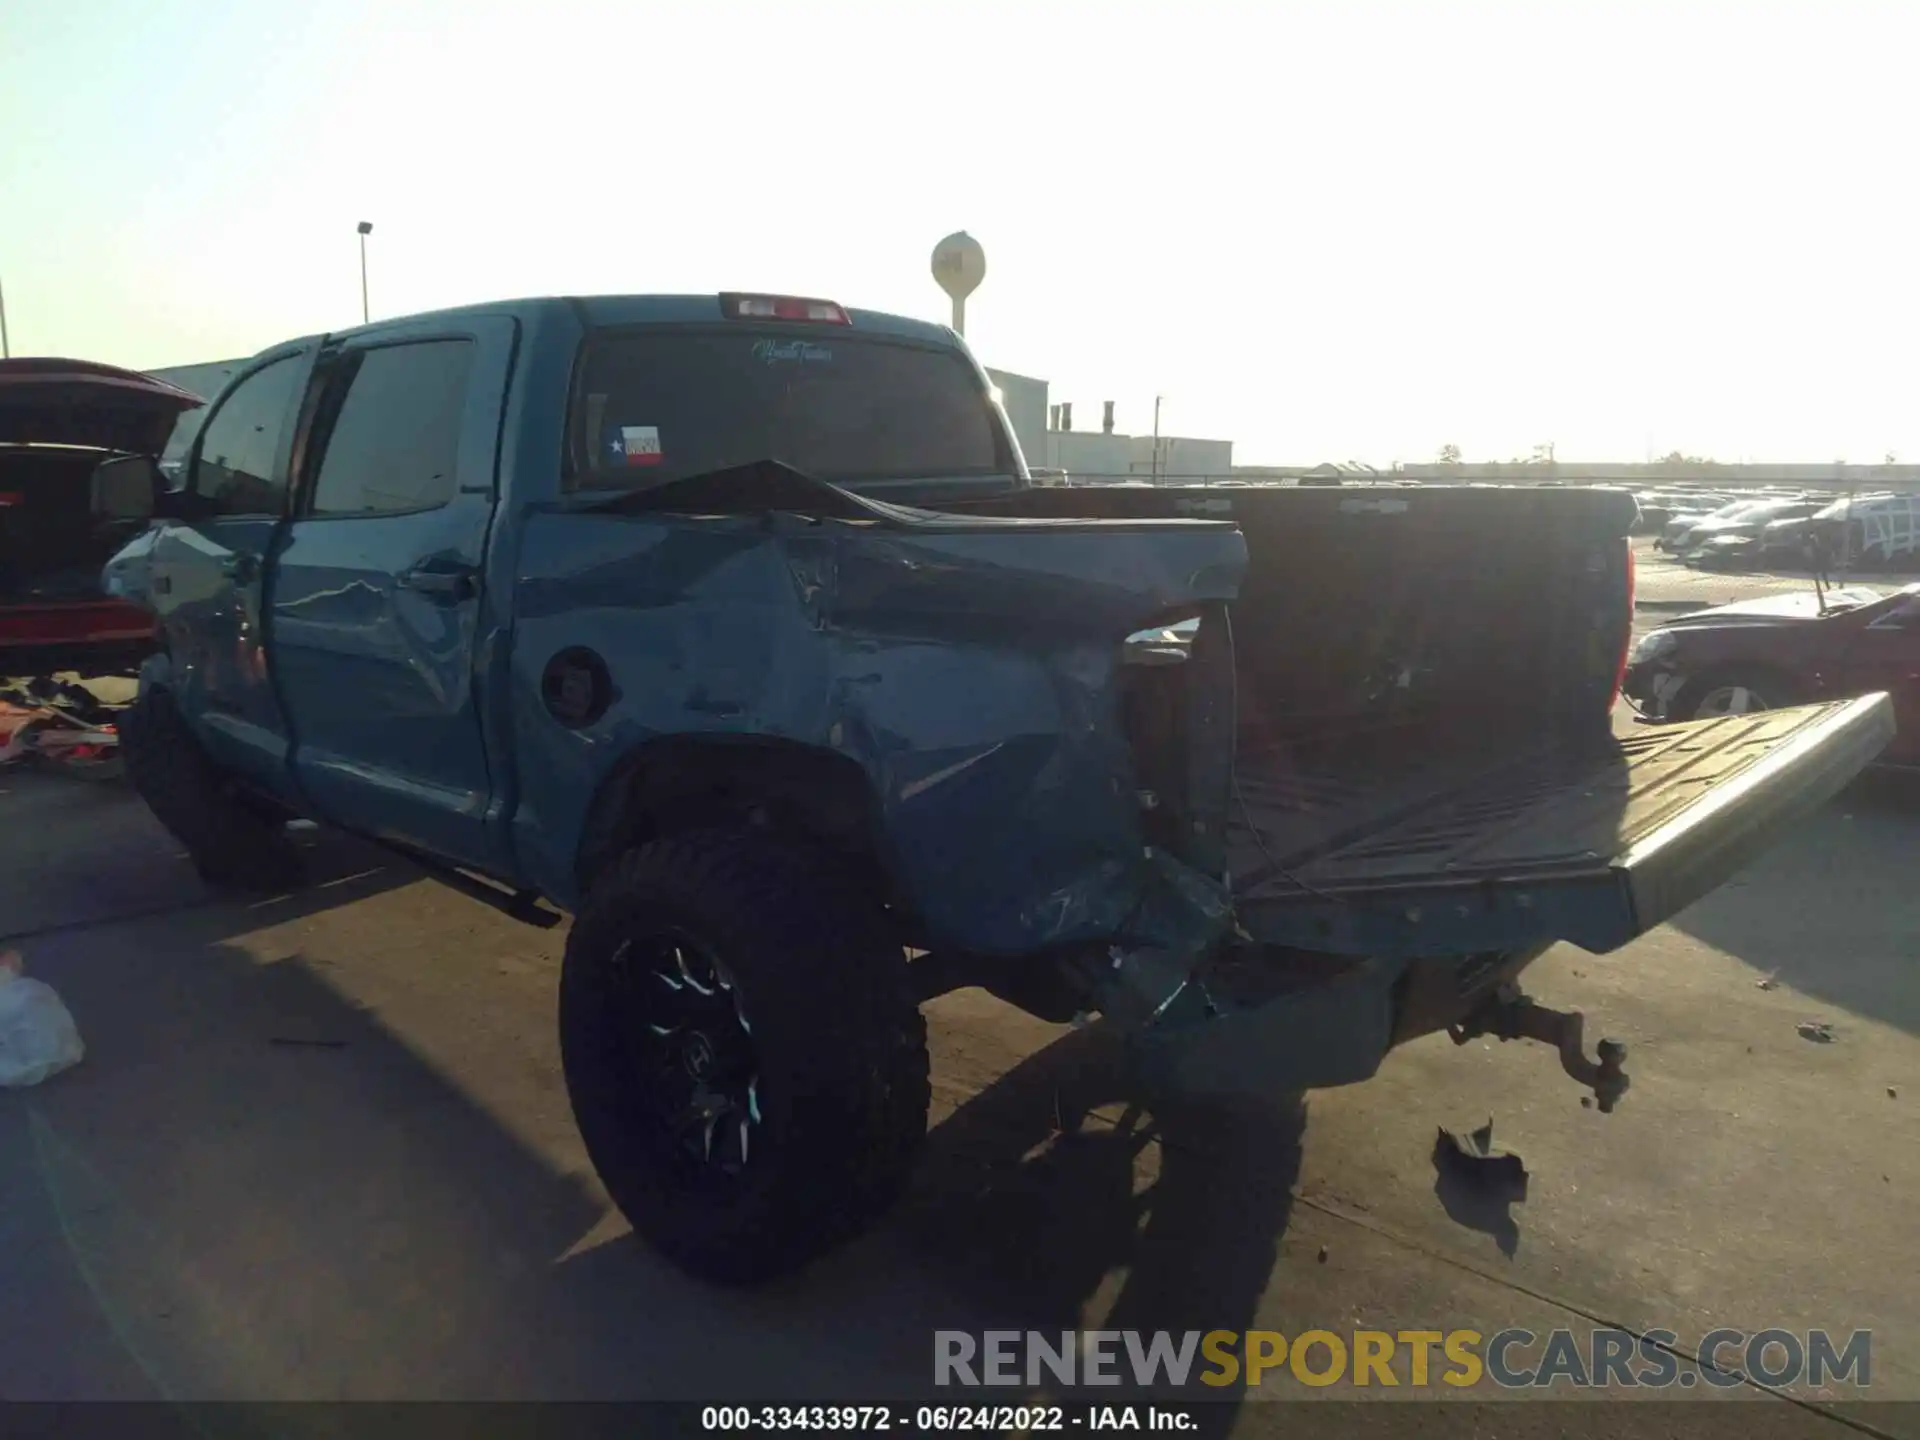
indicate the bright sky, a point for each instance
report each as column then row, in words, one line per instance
column 1352, row 230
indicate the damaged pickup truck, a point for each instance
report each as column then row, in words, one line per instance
column 733, row 626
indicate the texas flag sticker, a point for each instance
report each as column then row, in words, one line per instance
column 634, row 444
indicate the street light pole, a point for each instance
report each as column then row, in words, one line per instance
column 1156, row 439
column 6, row 347
column 366, row 229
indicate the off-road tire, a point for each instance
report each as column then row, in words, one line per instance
column 231, row 842
column 841, row 1049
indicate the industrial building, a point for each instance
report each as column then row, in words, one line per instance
column 206, row 381
column 202, row 380
column 1050, row 440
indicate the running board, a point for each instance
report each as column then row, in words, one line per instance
column 521, row 905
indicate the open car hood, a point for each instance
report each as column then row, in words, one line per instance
column 79, row 402
column 1797, row 605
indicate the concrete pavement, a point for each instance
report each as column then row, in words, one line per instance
column 1665, row 583
column 319, row 1149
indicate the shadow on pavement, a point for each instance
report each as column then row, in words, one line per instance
column 1478, row 1192
column 1029, row 1212
column 160, row 1201
column 1054, row 1199
column 256, row 1188
column 82, row 853
column 1831, row 910
column 252, row 1189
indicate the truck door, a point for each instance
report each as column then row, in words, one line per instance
column 378, row 601
column 1885, row 655
column 208, row 573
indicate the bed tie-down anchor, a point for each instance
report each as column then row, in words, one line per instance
column 1510, row 1015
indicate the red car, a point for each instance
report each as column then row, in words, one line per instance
column 59, row 420
column 1786, row 650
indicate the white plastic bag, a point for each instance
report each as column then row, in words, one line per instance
column 37, row 1035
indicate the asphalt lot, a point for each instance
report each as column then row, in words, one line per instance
column 319, row 1149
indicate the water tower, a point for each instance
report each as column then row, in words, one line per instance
column 959, row 265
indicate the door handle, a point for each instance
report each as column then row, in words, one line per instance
column 451, row 585
column 241, row 567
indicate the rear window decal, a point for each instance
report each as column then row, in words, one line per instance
column 633, row 444
column 775, row 352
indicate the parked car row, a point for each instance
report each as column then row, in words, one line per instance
column 1869, row 531
column 1660, row 508
column 1670, row 521
column 1737, row 526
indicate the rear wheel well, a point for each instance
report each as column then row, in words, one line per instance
column 671, row 786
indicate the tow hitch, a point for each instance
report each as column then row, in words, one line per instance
column 1513, row 1016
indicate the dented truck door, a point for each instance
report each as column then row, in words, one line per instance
column 209, row 567
column 378, row 593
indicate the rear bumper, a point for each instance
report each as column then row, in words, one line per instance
column 78, row 622
column 91, row 637
column 1333, row 1033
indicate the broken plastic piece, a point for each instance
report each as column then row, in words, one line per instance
column 1475, row 1157
column 38, row 1038
column 1479, row 1183
column 1818, row 1031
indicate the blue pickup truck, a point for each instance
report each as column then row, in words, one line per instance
column 733, row 626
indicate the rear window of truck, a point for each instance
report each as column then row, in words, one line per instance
column 656, row 405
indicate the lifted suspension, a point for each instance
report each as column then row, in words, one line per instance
column 1510, row 1015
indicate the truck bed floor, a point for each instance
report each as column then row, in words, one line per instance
column 1465, row 849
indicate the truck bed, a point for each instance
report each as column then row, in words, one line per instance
column 1379, row 843
column 1423, row 681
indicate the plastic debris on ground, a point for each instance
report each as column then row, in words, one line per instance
column 1475, row 1157
column 1479, row 1183
column 1818, row 1031
column 38, row 1038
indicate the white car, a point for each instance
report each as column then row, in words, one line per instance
column 1871, row 529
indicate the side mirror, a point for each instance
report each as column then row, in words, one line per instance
column 127, row 489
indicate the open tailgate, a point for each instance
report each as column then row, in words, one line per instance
column 1387, row 850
